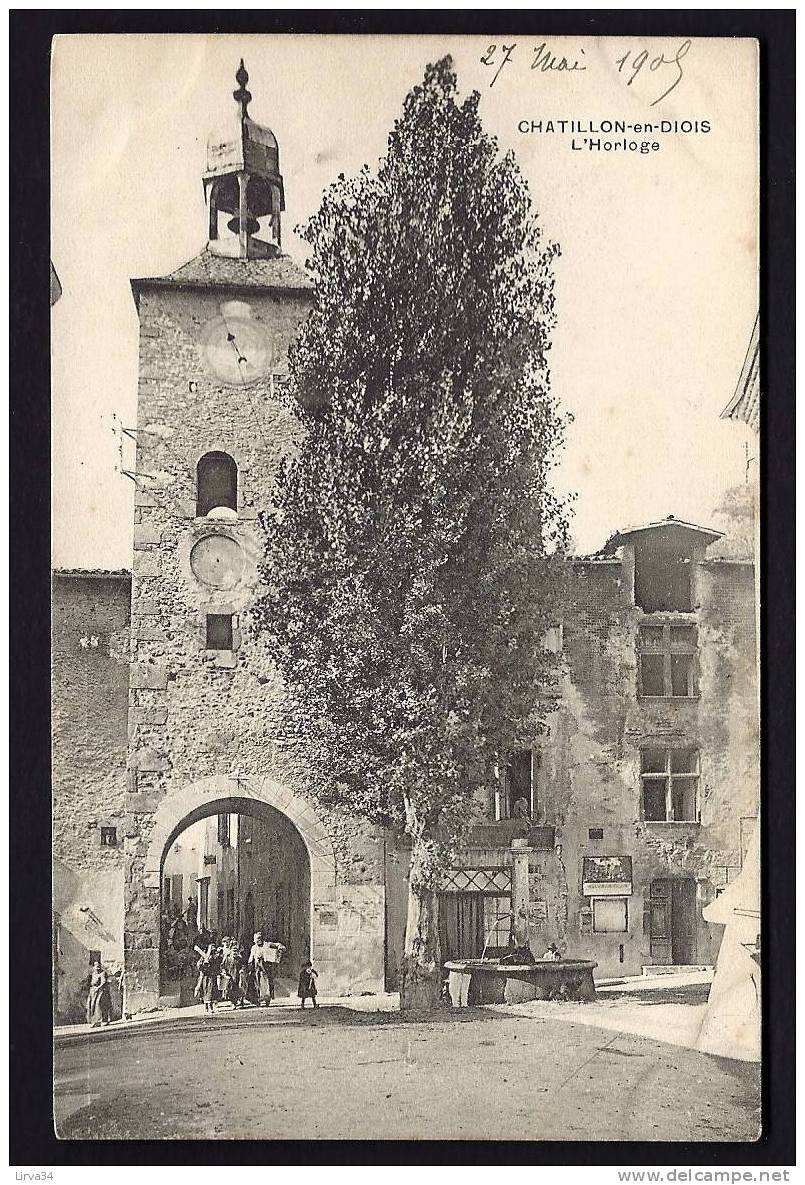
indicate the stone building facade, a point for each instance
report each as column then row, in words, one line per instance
column 637, row 805
column 655, row 714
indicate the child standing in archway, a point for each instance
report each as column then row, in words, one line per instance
column 307, row 983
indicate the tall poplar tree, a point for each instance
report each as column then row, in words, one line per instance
column 413, row 551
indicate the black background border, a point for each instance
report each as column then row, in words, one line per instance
column 32, row 1139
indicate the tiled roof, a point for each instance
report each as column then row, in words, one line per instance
column 666, row 524
column 745, row 403
column 94, row 573
column 215, row 271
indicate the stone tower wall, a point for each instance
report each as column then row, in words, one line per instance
column 200, row 716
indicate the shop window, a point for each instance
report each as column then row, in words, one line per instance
column 223, row 831
column 230, row 909
column 610, row 915
column 670, row 785
column 109, row 837
column 219, row 631
column 667, row 655
column 662, row 577
column 220, row 920
column 606, row 876
column 515, row 798
column 216, row 483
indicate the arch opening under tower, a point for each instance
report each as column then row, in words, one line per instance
column 230, row 868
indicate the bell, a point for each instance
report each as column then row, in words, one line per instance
column 252, row 225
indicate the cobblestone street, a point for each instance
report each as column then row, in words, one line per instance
column 523, row 1073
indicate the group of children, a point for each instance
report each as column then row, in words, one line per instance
column 224, row 973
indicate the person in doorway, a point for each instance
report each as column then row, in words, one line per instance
column 262, row 962
column 307, row 983
column 99, row 1000
column 177, row 935
column 207, row 986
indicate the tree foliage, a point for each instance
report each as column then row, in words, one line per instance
column 413, row 550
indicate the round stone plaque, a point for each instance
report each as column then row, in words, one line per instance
column 217, row 560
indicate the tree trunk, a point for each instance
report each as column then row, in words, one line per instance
column 421, row 971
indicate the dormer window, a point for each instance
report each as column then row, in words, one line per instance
column 662, row 576
column 216, row 484
column 666, row 554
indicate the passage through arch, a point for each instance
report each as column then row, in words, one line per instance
column 216, row 483
column 346, row 920
column 229, row 868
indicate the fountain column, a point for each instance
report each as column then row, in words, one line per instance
column 521, row 894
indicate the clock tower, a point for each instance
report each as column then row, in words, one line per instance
column 205, row 704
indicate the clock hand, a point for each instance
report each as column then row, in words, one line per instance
column 230, row 337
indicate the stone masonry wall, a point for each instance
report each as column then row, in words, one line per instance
column 90, row 643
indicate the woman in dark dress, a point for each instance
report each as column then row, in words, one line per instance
column 99, row 1000
column 231, row 966
column 208, row 967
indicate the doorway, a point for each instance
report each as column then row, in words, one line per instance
column 673, row 920
column 248, row 914
column 468, row 922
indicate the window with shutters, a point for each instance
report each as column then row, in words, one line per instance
column 223, row 831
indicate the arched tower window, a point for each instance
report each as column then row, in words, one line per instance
column 216, row 483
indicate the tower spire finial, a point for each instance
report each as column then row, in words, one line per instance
column 243, row 179
column 241, row 95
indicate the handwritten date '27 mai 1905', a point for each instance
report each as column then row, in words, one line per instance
column 630, row 65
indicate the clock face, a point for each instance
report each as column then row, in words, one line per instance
column 237, row 349
column 217, row 560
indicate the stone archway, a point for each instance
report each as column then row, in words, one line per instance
column 173, row 814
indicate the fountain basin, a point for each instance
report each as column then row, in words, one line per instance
column 487, row 981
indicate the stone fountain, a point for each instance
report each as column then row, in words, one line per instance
column 519, row 976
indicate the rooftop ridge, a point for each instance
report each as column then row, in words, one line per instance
column 105, row 573
column 207, row 270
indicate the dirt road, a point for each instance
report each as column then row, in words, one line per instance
column 336, row 1073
